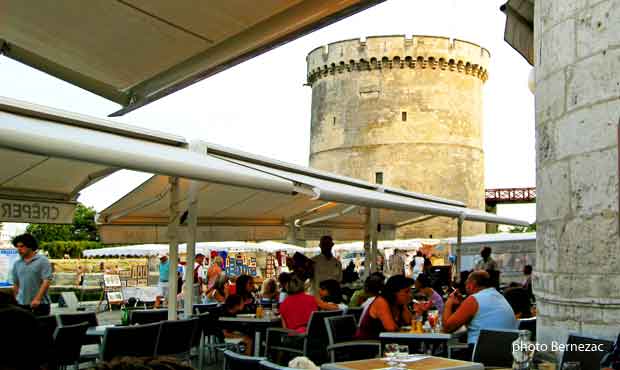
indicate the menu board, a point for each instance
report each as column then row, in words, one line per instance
column 7, row 259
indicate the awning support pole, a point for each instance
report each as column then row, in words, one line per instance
column 370, row 240
column 459, row 235
column 173, row 238
column 192, row 223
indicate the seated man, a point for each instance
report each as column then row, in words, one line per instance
column 485, row 308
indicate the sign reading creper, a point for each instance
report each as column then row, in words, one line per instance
column 36, row 212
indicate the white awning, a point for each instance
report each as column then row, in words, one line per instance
column 134, row 52
column 325, row 204
column 48, row 156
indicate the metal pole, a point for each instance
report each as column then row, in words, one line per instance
column 192, row 225
column 173, row 238
column 459, row 235
column 367, row 245
column 370, row 240
column 374, row 215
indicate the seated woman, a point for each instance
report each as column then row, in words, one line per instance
column 372, row 287
column 269, row 294
column 245, row 289
column 423, row 286
column 233, row 306
column 388, row 311
column 297, row 307
column 330, row 296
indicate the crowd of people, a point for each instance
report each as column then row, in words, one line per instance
column 388, row 303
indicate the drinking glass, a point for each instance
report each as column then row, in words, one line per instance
column 391, row 351
column 571, row 365
column 403, row 353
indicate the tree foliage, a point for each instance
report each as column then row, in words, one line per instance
column 523, row 229
column 74, row 248
column 83, row 228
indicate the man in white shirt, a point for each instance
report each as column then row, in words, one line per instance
column 198, row 273
column 326, row 266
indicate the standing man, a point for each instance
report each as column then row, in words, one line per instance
column 164, row 273
column 326, row 266
column 486, row 263
column 32, row 275
column 198, row 273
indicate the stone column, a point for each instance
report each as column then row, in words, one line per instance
column 577, row 275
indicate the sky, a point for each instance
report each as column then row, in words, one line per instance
column 262, row 106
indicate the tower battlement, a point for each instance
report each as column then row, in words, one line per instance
column 378, row 52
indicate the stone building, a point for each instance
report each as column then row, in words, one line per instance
column 574, row 46
column 405, row 112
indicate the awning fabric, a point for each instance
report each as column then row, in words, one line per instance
column 329, row 204
column 519, row 31
column 48, row 156
column 134, row 52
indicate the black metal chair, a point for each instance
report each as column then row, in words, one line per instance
column 78, row 318
column 90, row 354
column 356, row 312
column 494, row 347
column 139, row 340
column 47, row 328
column 588, row 359
column 141, row 317
column 235, row 361
column 177, row 338
column 342, row 344
column 529, row 324
column 67, row 345
column 310, row 344
column 267, row 365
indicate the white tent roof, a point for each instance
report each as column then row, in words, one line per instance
column 403, row 244
column 490, row 238
column 134, row 52
column 204, row 248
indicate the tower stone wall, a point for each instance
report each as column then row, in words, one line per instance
column 577, row 271
column 408, row 108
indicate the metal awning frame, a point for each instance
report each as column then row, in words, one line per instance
column 27, row 129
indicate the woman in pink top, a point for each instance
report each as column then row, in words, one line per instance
column 297, row 307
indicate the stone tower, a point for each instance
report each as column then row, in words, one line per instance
column 406, row 112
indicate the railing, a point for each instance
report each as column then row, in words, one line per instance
column 510, row 195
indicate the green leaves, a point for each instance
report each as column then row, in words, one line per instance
column 83, row 228
column 73, row 239
column 57, row 249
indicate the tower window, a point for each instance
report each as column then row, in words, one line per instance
column 379, row 177
column 404, row 116
column 334, row 121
